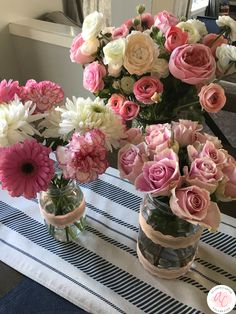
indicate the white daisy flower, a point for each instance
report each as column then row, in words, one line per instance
column 81, row 115
column 15, row 122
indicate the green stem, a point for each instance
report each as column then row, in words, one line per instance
column 215, row 40
column 186, row 106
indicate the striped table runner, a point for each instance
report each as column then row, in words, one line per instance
column 101, row 272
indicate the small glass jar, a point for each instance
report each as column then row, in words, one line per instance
column 167, row 245
column 63, row 210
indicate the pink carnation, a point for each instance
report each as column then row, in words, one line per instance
column 93, row 77
column 146, row 87
column 25, row 168
column 45, row 94
column 8, row 90
column 85, row 157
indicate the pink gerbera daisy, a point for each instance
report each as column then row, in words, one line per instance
column 8, row 90
column 25, row 168
column 45, row 94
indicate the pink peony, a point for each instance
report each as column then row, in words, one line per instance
column 193, row 204
column 158, row 137
column 129, row 110
column 175, row 37
column 192, row 64
column 210, row 41
column 203, row 173
column 25, row 168
column 164, row 19
column 76, row 54
column 212, row 97
column 146, row 87
column 131, row 159
column 8, row 90
column 85, row 157
column 226, row 191
column 132, row 136
column 116, row 101
column 160, row 175
column 185, row 131
column 93, row 77
column 120, row 32
column 45, row 94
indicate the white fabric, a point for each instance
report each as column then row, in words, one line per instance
column 101, row 273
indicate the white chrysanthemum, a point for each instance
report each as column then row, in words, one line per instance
column 200, row 26
column 51, row 124
column 226, row 55
column 82, row 114
column 15, row 122
column 228, row 21
column 193, row 34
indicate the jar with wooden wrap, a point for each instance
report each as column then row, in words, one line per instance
column 167, row 245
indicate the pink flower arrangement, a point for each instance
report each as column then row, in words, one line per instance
column 169, row 162
column 157, row 62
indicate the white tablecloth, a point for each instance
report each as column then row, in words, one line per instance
column 101, row 272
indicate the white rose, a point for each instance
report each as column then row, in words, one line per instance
column 114, row 51
column 161, row 67
column 92, row 25
column 90, row 47
column 226, row 54
column 200, row 26
column 228, row 21
column 193, row 34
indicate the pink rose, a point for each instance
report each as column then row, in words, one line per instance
column 146, row 87
column 192, row 64
column 175, row 37
column 193, row 204
column 160, row 175
column 203, row 173
column 164, row 19
column 226, row 191
column 130, row 160
column 203, row 137
column 132, row 136
column 8, row 90
column 212, row 97
column 76, row 54
column 208, row 40
column 185, row 131
column 158, row 137
column 93, row 77
column 120, row 32
column 116, row 102
column 129, row 110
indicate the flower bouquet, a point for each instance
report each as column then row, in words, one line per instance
column 183, row 173
column 33, row 124
column 156, row 69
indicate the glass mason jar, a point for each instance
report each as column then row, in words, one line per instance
column 167, row 245
column 63, row 210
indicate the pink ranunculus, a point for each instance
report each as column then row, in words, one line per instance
column 133, row 136
column 147, row 20
column 129, row 110
column 194, row 205
column 226, row 191
column 85, row 157
column 93, row 77
column 76, row 54
column 44, row 94
column 161, row 175
column 146, row 87
column 192, row 64
column 210, row 41
column 185, row 131
column 158, row 137
column 175, row 37
column 163, row 20
column 131, row 159
column 120, row 32
column 8, row 90
column 116, row 101
column 203, row 173
column 212, row 97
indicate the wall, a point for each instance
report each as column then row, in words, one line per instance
column 13, row 10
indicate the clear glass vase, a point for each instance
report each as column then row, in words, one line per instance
column 63, row 210
column 167, row 245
